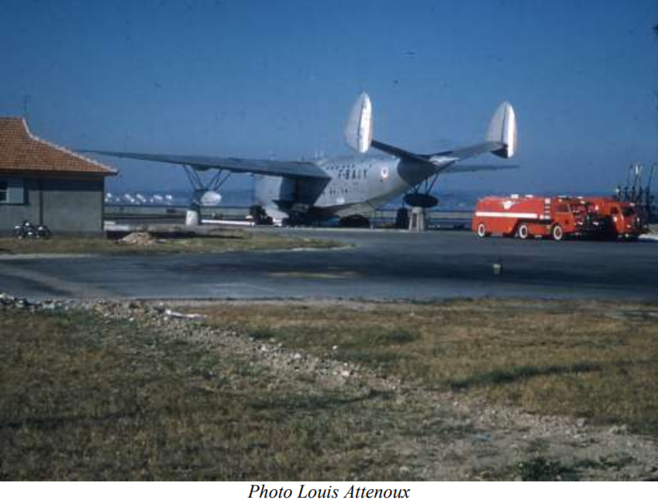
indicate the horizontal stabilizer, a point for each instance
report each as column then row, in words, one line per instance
column 459, row 168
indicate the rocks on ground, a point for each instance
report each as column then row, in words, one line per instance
column 141, row 238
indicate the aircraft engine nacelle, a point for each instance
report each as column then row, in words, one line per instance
column 420, row 200
column 206, row 198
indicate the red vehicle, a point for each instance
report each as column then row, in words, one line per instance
column 623, row 218
column 556, row 217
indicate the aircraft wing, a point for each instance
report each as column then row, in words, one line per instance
column 277, row 168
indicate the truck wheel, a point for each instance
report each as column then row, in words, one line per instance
column 482, row 230
column 557, row 233
column 523, row 232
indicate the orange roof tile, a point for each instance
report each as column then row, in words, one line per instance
column 20, row 151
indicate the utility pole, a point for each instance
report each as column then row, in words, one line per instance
column 655, row 30
column 650, row 197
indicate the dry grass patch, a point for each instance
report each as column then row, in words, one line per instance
column 86, row 397
column 102, row 394
column 585, row 359
column 229, row 240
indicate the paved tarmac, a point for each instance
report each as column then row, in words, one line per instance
column 380, row 265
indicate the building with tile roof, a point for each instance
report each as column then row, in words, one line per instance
column 48, row 184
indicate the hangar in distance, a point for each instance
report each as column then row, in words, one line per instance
column 308, row 191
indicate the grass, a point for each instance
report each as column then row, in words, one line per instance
column 229, row 240
column 543, row 469
column 587, row 360
column 89, row 398
column 83, row 396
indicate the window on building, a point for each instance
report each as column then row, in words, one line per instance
column 12, row 191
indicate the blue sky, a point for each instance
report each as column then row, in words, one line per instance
column 277, row 78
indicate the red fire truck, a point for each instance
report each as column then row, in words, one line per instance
column 557, row 217
column 623, row 218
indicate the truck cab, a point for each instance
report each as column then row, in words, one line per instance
column 623, row 219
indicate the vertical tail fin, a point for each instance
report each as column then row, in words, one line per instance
column 358, row 131
column 503, row 129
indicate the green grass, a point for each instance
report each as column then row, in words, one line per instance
column 543, row 469
column 592, row 360
column 228, row 240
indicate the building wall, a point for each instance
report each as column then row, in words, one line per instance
column 71, row 206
